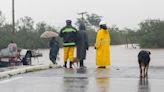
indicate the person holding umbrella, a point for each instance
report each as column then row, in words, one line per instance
column 102, row 46
column 54, row 49
column 53, row 44
column 68, row 33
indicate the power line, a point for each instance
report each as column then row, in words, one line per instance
column 82, row 15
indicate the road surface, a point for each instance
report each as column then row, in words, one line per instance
column 122, row 76
column 113, row 79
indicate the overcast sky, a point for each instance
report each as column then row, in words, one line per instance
column 123, row 13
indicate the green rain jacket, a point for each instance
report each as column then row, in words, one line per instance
column 69, row 35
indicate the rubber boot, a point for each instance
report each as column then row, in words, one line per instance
column 70, row 65
column 65, row 64
column 101, row 67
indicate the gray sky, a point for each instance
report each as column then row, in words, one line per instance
column 123, row 13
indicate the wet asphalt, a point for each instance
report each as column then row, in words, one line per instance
column 112, row 79
column 122, row 76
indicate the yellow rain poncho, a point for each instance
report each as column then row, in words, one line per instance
column 102, row 48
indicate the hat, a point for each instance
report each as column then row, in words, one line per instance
column 102, row 23
column 68, row 21
column 82, row 26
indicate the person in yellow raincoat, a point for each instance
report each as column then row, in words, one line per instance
column 102, row 46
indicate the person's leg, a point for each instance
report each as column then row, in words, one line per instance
column 53, row 60
column 81, row 63
column 71, row 55
column 50, row 55
column 66, row 53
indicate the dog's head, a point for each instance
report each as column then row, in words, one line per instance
column 148, row 52
column 143, row 54
column 143, row 51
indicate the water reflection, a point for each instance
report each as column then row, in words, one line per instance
column 82, row 71
column 102, row 79
column 75, row 84
column 102, row 84
column 69, row 71
column 143, row 85
column 102, row 72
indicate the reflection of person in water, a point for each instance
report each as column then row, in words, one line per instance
column 102, row 84
column 102, row 79
column 143, row 85
column 75, row 84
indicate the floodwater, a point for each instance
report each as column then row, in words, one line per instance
column 122, row 76
column 120, row 55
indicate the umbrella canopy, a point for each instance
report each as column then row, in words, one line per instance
column 48, row 34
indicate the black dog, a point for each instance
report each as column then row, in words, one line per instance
column 143, row 60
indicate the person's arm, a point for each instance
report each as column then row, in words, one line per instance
column 74, row 29
column 109, row 36
column 76, row 35
column 86, row 41
column 61, row 32
column 98, row 39
column 58, row 47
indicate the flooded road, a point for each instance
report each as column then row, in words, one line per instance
column 120, row 56
column 122, row 76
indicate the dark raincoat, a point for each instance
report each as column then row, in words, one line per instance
column 54, row 48
column 82, row 43
column 68, row 33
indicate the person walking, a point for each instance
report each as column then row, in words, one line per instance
column 102, row 46
column 82, row 44
column 54, row 49
column 69, row 35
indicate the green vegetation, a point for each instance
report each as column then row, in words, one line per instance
column 27, row 35
column 151, row 34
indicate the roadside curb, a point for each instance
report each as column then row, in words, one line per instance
column 26, row 69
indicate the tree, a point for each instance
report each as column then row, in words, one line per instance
column 117, row 35
column 25, row 24
column 151, row 33
column 131, row 36
column 2, row 19
column 41, row 27
column 94, row 19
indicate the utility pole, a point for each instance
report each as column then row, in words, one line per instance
column 13, row 16
column 82, row 14
column 126, row 39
